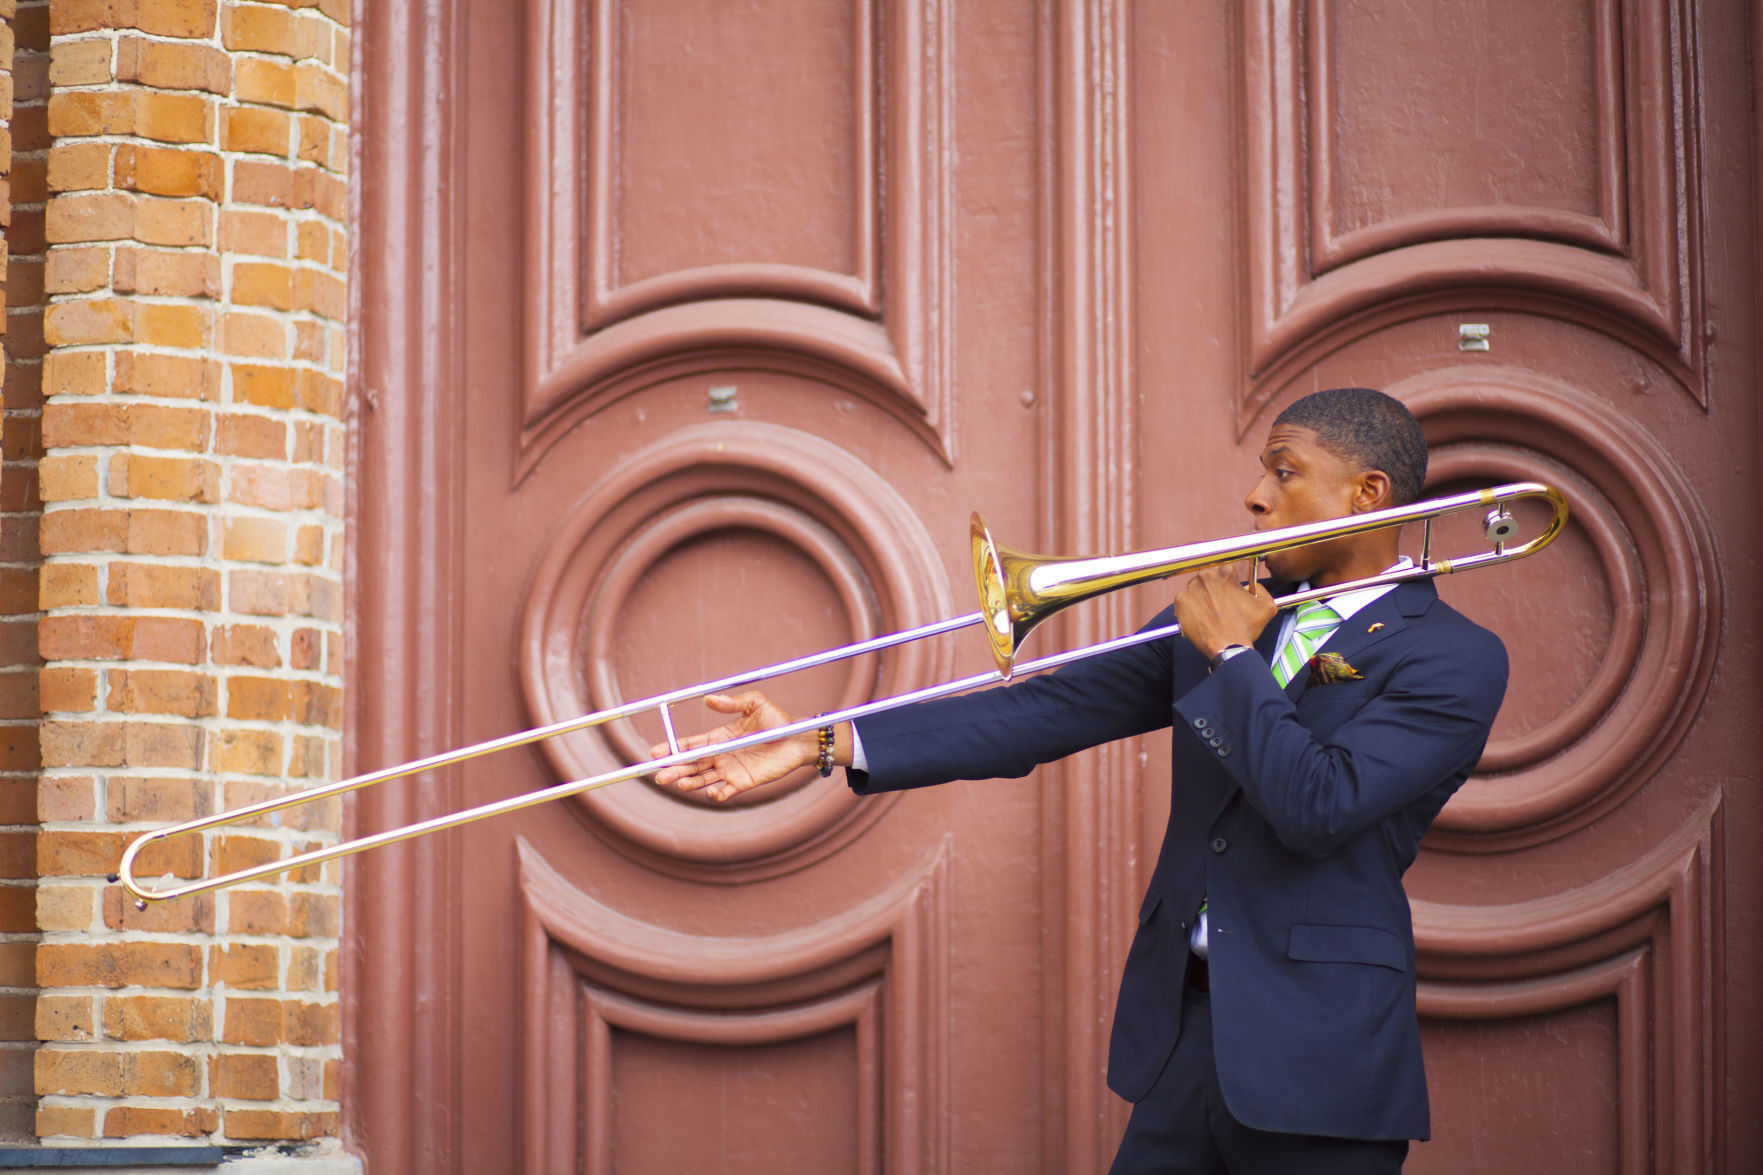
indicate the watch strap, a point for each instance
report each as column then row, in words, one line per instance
column 1226, row 654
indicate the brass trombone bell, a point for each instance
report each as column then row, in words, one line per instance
column 1017, row 593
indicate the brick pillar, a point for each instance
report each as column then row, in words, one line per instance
column 192, row 553
column 27, row 38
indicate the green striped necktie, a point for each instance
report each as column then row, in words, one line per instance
column 1315, row 621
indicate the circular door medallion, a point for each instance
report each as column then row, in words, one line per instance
column 1610, row 631
column 721, row 549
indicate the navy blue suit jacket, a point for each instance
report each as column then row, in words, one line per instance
column 1294, row 812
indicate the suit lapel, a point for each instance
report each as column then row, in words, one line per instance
column 1383, row 617
column 1378, row 620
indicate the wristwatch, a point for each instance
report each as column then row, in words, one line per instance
column 1226, row 654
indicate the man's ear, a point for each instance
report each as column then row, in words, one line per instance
column 1372, row 491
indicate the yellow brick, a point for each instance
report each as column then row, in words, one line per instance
column 312, row 242
column 67, row 477
column 173, row 326
column 100, row 320
column 262, row 284
column 66, row 1122
column 70, row 270
column 173, row 118
column 169, row 66
column 181, row 376
column 67, row 690
column 309, row 546
column 178, row 223
column 79, row 63
column 255, row 540
column 167, row 273
column 267, row 82
column 254, row 336
column 154, row 585
column 312, row 38
column 66, row 907
column 82, row 218
column 76, row 166
column 266, row 386
column 67, row 585
column 257, row 28
column 160, row 691
column 162, row 171
column 322, row 293
column 244, row 752
column 177, row 18
column 261, row 234
column 256, row 130
column 164, row 18
column 171, row 479
column 315, row 140
column 320, row 91
column 86, row 113
column 65, row 1017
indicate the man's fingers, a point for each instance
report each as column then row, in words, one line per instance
column 743, row 703
column 679, row 771
column 727, row 789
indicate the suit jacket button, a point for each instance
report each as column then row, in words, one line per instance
column 1219, row 844
column 1216, row 741
column 1199, row 724
column 1224, row 752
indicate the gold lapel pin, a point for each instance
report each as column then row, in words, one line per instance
column 1374, row 628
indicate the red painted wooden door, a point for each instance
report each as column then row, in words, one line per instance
column 691, row 333
column 1500, row 212
column 745, row 309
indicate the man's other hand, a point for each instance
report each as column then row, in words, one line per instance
column 1216, row 609
column 724, row 776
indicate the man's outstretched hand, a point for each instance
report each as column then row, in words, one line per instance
column 724, row 776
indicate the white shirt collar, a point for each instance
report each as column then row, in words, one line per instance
column 1348, row 603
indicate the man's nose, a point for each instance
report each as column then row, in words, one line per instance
column 1255, row 501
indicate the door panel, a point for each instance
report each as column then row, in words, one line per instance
column 690, row 340
column 735, row 443
column 1530, row 173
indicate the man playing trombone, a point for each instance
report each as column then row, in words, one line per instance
column 1266, row 1018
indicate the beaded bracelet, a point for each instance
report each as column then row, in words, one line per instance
column 824, row 764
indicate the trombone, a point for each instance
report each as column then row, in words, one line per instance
column 1017, row 592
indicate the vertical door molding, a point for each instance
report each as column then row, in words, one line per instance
column 1323, row 269
column 399, row 965
column 1091, row 866
column 887, row 315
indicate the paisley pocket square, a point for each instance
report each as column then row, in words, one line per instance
column 1329, row 668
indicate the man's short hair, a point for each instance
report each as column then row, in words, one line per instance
column 1368, row 427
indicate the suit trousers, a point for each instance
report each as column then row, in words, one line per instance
column 1181, row 1127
